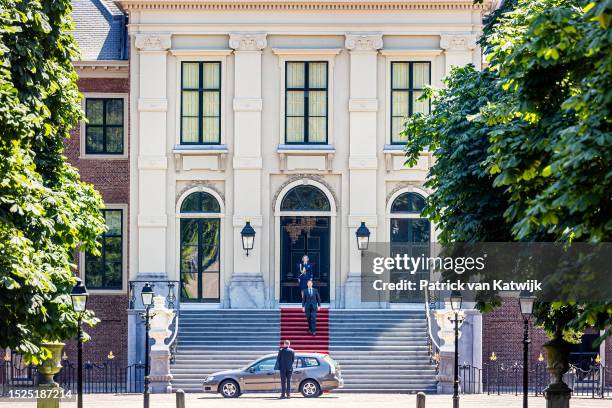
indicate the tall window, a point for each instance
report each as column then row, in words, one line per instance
column 201, row 103
column 306, row 102
column 105, row 271
column 407, row 82
column 200, row 248
column 104, row 127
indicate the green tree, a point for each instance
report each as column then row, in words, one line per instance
column 46, row 212
column 523, row 148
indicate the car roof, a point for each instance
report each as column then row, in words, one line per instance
column 298, row 354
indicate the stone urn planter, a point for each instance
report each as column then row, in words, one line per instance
column 51, row 366
column 557, row 393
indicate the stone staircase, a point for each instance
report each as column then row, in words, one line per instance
column 382, row 350
column 215, row 340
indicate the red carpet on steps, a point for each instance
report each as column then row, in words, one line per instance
column 295, row 328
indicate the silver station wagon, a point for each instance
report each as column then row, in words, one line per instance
column 313, row 373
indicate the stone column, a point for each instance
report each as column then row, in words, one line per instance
column 363, row 108
column 446, row 334
column 247, row 286
column 152, row 49
column 458, row 48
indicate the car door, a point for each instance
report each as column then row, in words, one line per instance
column 304, row 367
column 262, row 376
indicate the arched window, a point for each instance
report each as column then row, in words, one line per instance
column 305, row 198
column 200, row 202
column 408, row 203
column 200, row 248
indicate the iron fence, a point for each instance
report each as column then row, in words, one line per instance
column 104, row 377
column 502, row 378
column 470, row 379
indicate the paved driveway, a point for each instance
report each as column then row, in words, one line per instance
column 326, row 401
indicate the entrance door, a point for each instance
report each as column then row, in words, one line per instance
column 304, row 236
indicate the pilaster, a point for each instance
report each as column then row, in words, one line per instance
column 152, row 105
column 458, row 48
column 247, row 285
column 363, row 108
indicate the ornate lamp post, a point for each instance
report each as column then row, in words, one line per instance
column 248, row 237
column 455, row 301
column 78, row 296
column 147, row 300
column 526, row 301
column 363, row 237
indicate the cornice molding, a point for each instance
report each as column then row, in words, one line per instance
column 102, row 68
column 364, row 41
column 326, row 5
column 153, row 41
column 248, row 41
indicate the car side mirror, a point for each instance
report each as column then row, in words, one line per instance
column 251, row 369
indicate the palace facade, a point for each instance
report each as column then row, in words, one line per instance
column 286, row 115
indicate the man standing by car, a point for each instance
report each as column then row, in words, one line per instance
column 311, row 303
column 284, row 363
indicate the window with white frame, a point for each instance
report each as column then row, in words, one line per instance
column 201, row 102
column 306, row 102
column 408, row 80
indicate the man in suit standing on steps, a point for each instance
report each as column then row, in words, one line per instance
column 284, row 363
column 311, row 303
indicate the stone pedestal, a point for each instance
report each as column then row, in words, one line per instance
column 159, row 374
column 446, row 334
column 46, row 370
column 247, row 291
column 557, row 394
column 160, row 377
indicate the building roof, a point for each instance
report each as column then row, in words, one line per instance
column 100, row 30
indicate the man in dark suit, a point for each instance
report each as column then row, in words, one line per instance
column 311, row 303
column 284, row 363
column 305, row 274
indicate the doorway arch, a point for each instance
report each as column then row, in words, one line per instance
column 305, row 223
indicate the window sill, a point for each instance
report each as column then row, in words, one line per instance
column 306, row 157
column 123, row 156
column 200, row 157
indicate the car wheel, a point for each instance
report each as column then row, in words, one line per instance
column 310, row 388
column 229, row 389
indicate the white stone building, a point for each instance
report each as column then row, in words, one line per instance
column 285, row 114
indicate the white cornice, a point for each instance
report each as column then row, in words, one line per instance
column 195, row 53
column 327, row 5
column 407, row 51
column 102, row 68
column 306, row 51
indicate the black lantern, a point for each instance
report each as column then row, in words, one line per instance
column 363, row 237
column 455, row 300
column 78, row 296
column 526, row 301
column 147, row 295
column 248, row 237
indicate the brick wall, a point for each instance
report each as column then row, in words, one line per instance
column 111, row 179
column 503, row 334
